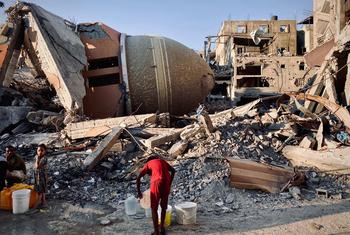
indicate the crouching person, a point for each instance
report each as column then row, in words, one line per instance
column 3, row 171
column 40, row 175
column 16, row 168
column 162, row 175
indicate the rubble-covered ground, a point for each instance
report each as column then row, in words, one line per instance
column 80, row 199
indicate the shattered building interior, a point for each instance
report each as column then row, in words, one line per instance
column 258, row 122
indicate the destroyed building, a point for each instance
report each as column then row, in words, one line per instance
column 99, row 72
column 256, row 58
column 290, row 143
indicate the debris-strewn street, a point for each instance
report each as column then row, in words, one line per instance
column 257, row 125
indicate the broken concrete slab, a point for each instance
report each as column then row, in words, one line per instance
column 123, row 145
column 101, row 150
column 102, row 127
column 42, row 117
column 61, row 53
column 307, row 142
column 332, row 160
column 10, row 115
column 190, row 131
column 319, row 136
column 157, row 140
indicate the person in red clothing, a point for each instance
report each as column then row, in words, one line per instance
column 162, row 175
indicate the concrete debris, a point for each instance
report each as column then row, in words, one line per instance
column 43, row 117
column 101, row 121
column 332, row 160
column 321, row 193
column 102, row 148
column 103, row 127
column 11, row 115
column 178, row 148
column 307, row 142
column 295, row 191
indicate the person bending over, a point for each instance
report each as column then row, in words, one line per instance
column 162, row 175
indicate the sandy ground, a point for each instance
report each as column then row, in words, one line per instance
column 321, row 217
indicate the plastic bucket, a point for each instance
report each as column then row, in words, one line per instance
column 167, row 221
column 186, row 213
column 20, row 201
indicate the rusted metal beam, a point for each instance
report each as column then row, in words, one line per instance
column 339, row 111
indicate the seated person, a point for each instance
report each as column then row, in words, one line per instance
column 16, row 168
column 3, row 171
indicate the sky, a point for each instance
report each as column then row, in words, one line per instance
column 186, row 21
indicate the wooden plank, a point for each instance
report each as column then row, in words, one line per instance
column 318, row 84
column 101, row 127
column 347, row 83
column 11, row 57
column 252, row 175
column 107, row 143
column 207, row 123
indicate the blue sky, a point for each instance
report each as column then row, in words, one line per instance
column 187, row 21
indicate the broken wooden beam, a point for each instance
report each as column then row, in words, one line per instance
column 101, row 150
column 333, row 160
column 102, row 127
column 247, row 174
column 207, row 123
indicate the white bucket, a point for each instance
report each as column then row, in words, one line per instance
column 20, row 201
column 186, row 213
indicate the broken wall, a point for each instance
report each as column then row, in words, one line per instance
column 283, row 32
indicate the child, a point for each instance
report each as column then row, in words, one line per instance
column 40, row 174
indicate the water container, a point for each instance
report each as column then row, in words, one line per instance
column 167, row 221
column 20, row 201
column 186, row 213
column 131, row 205
column 145, row 201
column 148, row 212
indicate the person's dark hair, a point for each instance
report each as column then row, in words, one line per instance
column 152, row 157
column 43, row 146
column 10, row 147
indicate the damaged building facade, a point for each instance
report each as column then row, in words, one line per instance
column 99, row 72
column 257, row 58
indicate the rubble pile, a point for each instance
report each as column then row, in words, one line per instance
column 202, row 170
column 269, row 152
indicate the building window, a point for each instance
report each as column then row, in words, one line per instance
column 241, row 29
column 302, row 66
column 283, row 66
column 264, row 28
column 240, row 50
column 284, row 29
